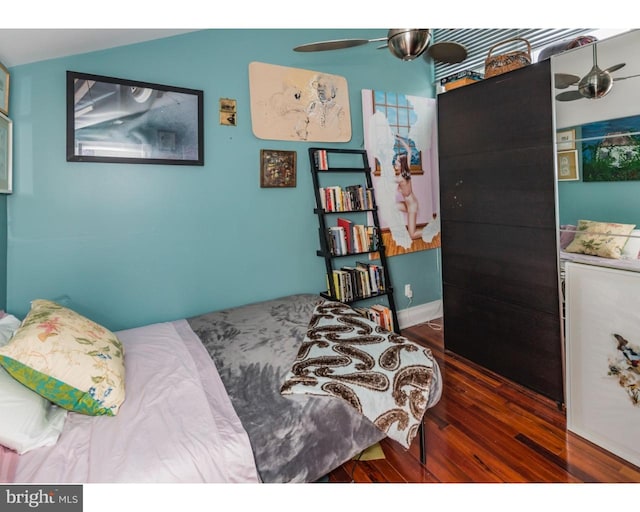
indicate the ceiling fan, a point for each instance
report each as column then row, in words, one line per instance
column 595, row 84
column 404, row 43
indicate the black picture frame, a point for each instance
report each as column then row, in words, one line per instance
column 116, row 120
column 277, row 168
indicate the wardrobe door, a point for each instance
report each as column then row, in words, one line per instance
column 499, row 244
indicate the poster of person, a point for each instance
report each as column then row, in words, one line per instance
column 298, row 104
column 400, row 139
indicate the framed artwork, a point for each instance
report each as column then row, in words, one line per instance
column 568, row 165
column 611, row 150
column 6, row 155
column 566, row 140
column 277, row 168
column 298, row 104
column 227, row 112
column 603, row 343
column 125, row 121
column 4, row 90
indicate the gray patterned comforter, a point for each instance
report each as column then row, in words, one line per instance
column 297, row 438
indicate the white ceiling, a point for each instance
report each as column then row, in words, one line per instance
column 25, row 45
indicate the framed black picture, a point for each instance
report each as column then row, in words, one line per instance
column 277, row 168
column 125, row 121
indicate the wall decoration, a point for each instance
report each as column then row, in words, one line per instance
column 566, row 140
column 611, row 150
column 125, row 121
column 298, row 105
column 400, row 139
column 603, row 339
column 277, row 168
column 4, row 90
column 568, row 165
column 227, row 112
column 6, row 155
column 624, row 367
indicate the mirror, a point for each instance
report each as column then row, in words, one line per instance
column 598, row 143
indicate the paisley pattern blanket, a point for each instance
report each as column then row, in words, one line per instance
column 384, row 376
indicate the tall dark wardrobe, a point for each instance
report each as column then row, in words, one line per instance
column 499, row 243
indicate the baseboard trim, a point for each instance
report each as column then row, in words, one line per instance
column 419, row 314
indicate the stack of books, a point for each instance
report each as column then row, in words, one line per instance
column 460, row 79
column 379, row 314
column 359, row 282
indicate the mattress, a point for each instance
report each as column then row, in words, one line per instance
column 176, row 425
column 587, row 259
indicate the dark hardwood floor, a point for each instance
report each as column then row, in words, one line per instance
column 488, row 429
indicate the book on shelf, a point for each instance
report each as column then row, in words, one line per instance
column 379, row 314
column 337, row 241
column 348, row 227
column 376, row 275
column 349, row 238
column 345, row 199
column 382, row 316
column 321, row 160
column 357, row 282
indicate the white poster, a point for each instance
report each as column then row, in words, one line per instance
column 400, row 138
column 298, row 104
column 603, row 356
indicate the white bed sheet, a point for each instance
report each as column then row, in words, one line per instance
column 587, row 259
column 177, row 423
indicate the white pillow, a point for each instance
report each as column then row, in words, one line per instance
column 8, row 325
column 29, row 421
column 631, row 249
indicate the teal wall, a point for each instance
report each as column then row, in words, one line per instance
column 611, row 201
column 135, row 244
column 3, row 251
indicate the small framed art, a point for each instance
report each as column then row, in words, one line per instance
column 277, row 168
column 4, row 90
column 566, row 140
column 568, row 165
column 6, row 143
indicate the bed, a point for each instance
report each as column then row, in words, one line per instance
column 205, row 402
column 604, row 244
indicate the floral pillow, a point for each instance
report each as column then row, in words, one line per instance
column 605, row 239
column 68, row 359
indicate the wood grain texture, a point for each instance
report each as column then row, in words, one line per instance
column 488, row 429
column 499, row 245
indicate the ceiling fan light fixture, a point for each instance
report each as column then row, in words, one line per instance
column 596, row 84
column 408, row 43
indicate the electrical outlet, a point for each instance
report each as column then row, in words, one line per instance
column 408, row 292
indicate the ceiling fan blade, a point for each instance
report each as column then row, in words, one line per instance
column 616, row 67
column 624, row 77
column 447, row 52
column 336, row 44
column 569, row 96
column 564, row 80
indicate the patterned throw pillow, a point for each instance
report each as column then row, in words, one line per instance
column 605, row 239
column 68, row 359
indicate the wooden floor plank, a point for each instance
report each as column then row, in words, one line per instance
column 488, row 429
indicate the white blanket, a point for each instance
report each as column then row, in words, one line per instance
column 177, row 423
column 386, row 377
